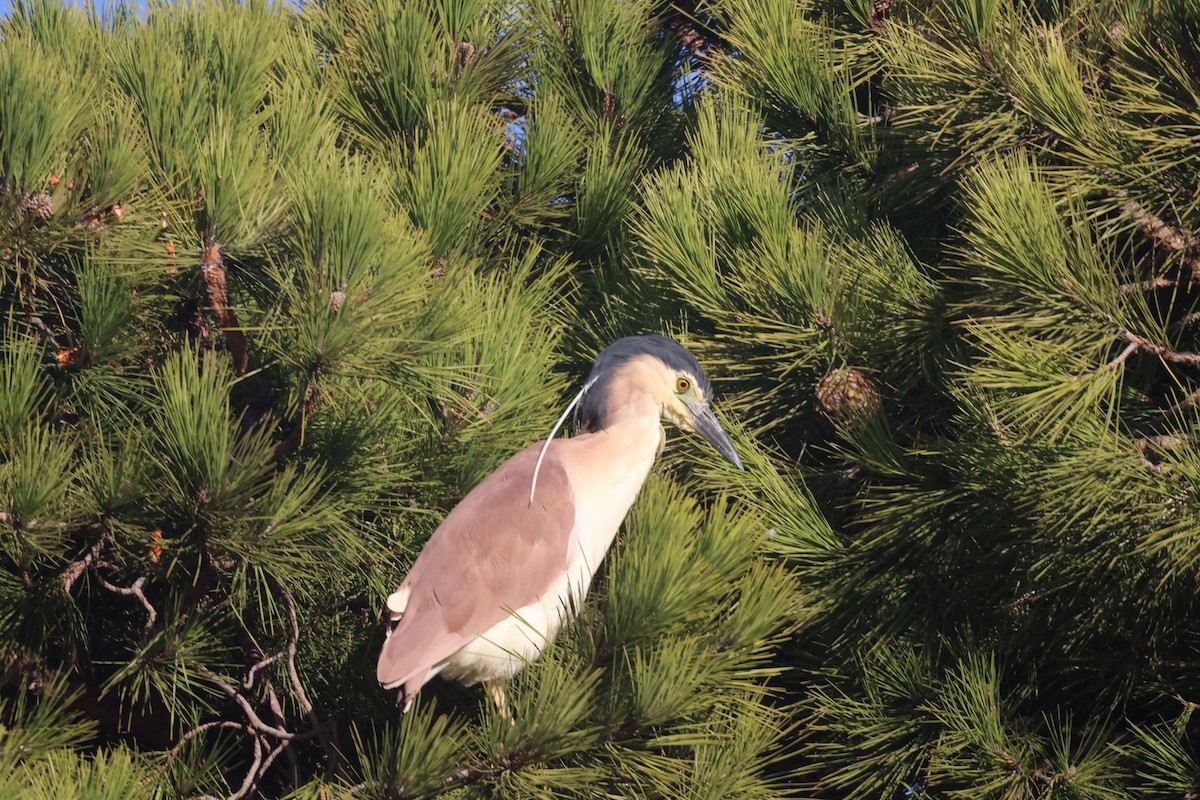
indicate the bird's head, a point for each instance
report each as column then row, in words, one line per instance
column 664, row 371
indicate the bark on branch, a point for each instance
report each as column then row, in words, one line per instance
column 1177, row 239
column 134, row 590
column 1165, row 353
column 216, row 284
column 72, row 572
column 258, row 394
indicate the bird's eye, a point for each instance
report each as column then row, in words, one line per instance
column 682, row 385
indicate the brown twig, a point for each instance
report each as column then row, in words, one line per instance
column 77, row 568
column 258, row 394
column 255, row 721
column 1148, row 285
column 263, row 732
column 266, row 662
column 277, row 710
column 216, row 283
column 1167, row 354
column 134, row 590
column 1044, row 774
column 1183, row 405
column 1177, row 239
column 298, row 686
column 312, row 400
column 1121, row 358
column 252, row 774
column 173, row 753
column 880, row 11
column 691, row 37
column 1183, row 322
column 31, row 314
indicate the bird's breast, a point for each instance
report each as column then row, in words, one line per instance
column 607, row 470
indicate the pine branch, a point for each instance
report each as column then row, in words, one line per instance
column 255, row 721
column 1148, row 285
column 1176, row 239
column 471, row 774
column 298, row 686
column 523, row 756
column 77, row 568
column 312, row 401
column 173, row 753
column 1167, row 354
column 259, row 731
column 216, row 282
column 255, row 726
column 699, row 43
column 880, row 11
column 259, row 395
column 32, row 317
column 134, row 590
column 1179, row 324
column 1183, row 405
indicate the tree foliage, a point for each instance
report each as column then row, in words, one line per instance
column 281, row 285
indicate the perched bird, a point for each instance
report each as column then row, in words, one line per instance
column 498, row 578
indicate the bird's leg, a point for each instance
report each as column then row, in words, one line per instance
column 496, row 690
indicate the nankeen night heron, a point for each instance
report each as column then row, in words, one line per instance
column 498, row 578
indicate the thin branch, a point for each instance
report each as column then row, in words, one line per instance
column 252, row 775
column 260, row 729
column 472, row 774
column 1184, row 322
column 1177, row 239
column 266, row 662
column 270, row 759
column 277, row 710
column 1129, row 350
column 880, row 11
column 298, row 686
column 72, row 572
column 255, row 721
column 690, row 35
column 216, row 282
column 40, row 325
column 1167, row 441
column 463, row 777
column 31, row 314
column 1167, row 354
column 173, row 753
column 1183, row 405
column 134, row 590
column 194, row 732
column 293, row 643
column 312, row 400
column 259, row 396
column 1148, row 285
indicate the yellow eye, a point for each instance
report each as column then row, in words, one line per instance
column 682, row 385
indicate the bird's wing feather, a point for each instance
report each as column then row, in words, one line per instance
column 494, row 553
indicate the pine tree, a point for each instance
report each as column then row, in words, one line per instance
column 280, row 286
column 945, row 250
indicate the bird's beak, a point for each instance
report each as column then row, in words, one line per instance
column 705, row 423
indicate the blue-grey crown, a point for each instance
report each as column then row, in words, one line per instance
column 592, row 407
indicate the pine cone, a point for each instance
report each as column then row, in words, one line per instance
column 848, row 395
column 40, row 204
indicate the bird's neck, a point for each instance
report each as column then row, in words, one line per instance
column 630, row 399
column 628, row 438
